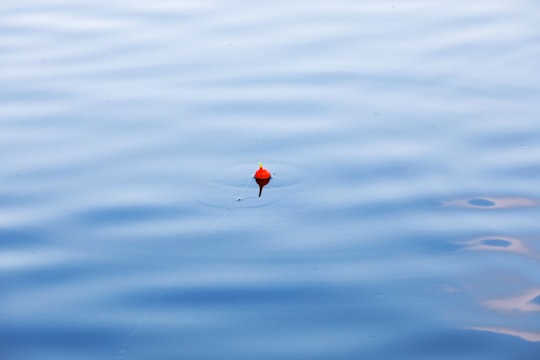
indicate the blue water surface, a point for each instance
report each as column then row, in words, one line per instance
column 401, row 221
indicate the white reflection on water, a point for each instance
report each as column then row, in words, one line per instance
column 488, row 202
column 523, row 303
column 525, row 335
column 501, row 243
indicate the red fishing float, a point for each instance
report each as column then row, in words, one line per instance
column 262, row 173
column 262, row 177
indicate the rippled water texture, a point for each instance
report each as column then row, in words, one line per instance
column 401, row 221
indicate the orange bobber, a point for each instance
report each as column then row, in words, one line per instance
column 262, row 173
column 262, row 177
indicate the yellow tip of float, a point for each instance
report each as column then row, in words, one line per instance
column 260, row 164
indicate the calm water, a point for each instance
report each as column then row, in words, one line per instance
column 402, row 221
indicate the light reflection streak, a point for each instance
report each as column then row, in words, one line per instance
column 525, row 335
column 488, row 202
column 523, row 303
column 500, row 243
